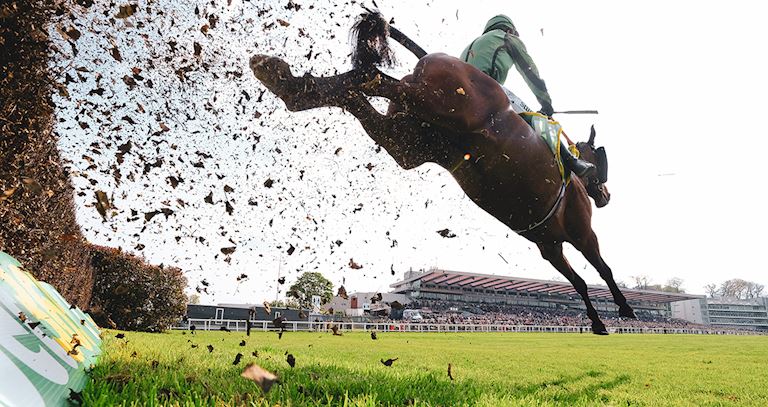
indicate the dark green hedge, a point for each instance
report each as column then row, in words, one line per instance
column 134, row 295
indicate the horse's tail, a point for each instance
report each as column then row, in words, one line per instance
column 369, row 41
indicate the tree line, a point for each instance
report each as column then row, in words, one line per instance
column 733, row 288
column 643, row 282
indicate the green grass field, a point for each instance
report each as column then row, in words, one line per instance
column 490, row 369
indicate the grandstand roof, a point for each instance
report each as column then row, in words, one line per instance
column 453, row 279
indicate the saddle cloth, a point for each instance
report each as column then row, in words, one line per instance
column 550, row 131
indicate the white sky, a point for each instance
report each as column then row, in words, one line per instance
column 680, row 89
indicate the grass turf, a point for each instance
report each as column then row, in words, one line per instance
column 489, row 369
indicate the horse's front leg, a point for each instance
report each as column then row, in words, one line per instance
column 307, row 92
column 578, row 215
column 590, row 248
column 554, row 254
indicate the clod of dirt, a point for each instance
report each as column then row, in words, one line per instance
column 388, row 362
column 291, row 360
column 262, row 377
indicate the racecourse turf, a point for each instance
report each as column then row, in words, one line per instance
column 489, row 369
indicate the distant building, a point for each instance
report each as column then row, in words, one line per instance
column 694, row 310
column 241, row 312
column 364, row 303
column 338, row 304
column 727, row 312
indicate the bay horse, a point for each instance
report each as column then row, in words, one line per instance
column 450, row 113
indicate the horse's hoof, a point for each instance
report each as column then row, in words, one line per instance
column 627, row 312
column 267, row 67
column 257, row 61
column 599, row 329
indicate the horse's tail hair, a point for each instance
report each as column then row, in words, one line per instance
column 369, row 41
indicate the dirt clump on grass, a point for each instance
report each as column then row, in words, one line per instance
column 37, row 213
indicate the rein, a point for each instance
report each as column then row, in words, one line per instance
column 549, row 214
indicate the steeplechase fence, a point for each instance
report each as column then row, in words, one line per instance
column 308, row 326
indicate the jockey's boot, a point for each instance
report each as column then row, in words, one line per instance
column 579, row 167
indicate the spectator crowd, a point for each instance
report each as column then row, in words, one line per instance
column 446, row 312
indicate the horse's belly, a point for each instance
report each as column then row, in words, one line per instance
column 513, row 188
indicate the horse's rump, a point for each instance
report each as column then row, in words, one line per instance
column 450, row 91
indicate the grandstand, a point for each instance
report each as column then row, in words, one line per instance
column 436, row 285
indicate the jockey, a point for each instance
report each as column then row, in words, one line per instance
column 494, row 53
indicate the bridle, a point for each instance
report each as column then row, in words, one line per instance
column 601, row 162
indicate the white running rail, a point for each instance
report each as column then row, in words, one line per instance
column 306, row 326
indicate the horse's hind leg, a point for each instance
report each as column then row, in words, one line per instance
column 403, row 137
column 590, row 248
column 307, row 91
column 554, row 254
column 405, row 92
